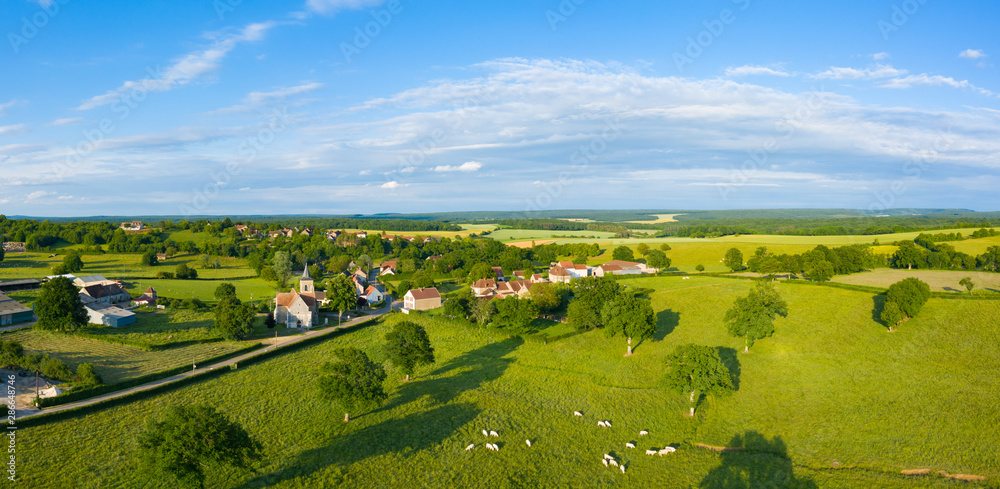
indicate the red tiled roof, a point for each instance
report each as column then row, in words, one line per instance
column 428, row 293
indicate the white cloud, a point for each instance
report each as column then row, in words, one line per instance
column 880, row 56
column 932, row 80
column 329, row 7
column 65, row 197
column 972, row 54
column 7, row 105
column 754, row 70
column 257, row 99
column 365, row 172
column 12, row 129
column 66, row 121
column 37, row 195
column 391, row 185
column 877, row 71
column 468, row 166
column 183, row 70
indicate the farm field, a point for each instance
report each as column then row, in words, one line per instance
column 831, row 400
column 115, row 362
column 939, row 280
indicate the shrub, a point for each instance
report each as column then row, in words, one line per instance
column 87, row 375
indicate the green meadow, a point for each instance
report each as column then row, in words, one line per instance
column 831, row 400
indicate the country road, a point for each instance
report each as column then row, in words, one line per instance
column 269, row 346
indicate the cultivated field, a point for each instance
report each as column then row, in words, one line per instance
column 939, row 280
column 832, row 400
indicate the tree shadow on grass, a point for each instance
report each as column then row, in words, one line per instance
column 878, row 302
column 404, row 436
column 467, row 371
column 666, row 321
column 761, row 463
column 732, row 362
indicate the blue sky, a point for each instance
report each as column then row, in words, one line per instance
column 366, row 106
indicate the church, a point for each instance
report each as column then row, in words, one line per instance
column 299, row 309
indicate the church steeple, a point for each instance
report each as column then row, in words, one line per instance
column 306, row 282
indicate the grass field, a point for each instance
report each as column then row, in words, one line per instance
column 115, row 362
column 831, row 400
column 939, row 280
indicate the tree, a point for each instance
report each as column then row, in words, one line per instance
column 629, row 316
column 72, row 262
column 623, row 253
column 191, row 438
column 909, row 255
column 422, row 280
column 664, row 247
column 700, row 268
column 407, row 346
column 482, row 310
column 909, row 295
column 282, row 265
column 770, row 267
column 204, row 261
column 87, row 374
column 967, row 283
column 1, row 248
column 642, row 249
column 891, row 315
column 149, row 259
column 183, row 272
column 353, row 380
column 515, row 314
column 233, row 318
column 454, row 307
column 591, row 294
column 734, row 259
column 657, row 259
column 225, row 289
column 480, row 271
column 59, row 306
column 171, row 251
column 549, row 296
column 752, row 317
column 341, row 294
column 269, row 321
column 697, row 370
column 820, row 271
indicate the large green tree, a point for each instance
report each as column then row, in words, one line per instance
column 353, row 380
column 623, row 253
column 697, row 370
column 480, row 271
column 191, row 439
column 909, row 296
column 734, row 259
column 225, row 289
column 590, row 295
column 752, row 317
column 549, row 296
column 282, row 264
column 629, row 316
column 515, row 314
column 967, row 283
column 407, row 346
column 233, row 318
column 341, row 293
column 657, row 259
column 72, row 262
column 59, row 306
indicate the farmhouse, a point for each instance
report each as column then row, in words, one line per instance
column 374, row 294
column 559, row 274
column 106, row 294
column 520, row 288
column 132, row 226
column 621, row 267
column 89, row 280
column 499, row 273
column 108, row 315
column 148, row 298
column 575, row 270
column 387, row 268
column 12, row 312
column 422, row 299
column 297, row 309
column 484, row 287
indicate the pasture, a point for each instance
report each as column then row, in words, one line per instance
column 831, row 400
column 939, row 280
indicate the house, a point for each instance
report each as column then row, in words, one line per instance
column 106, row 294
column 575, row 270
column 484, row 287
column 559, row 274
column 387, row 268
column 12, row 312
column 499, row 273
column 148, row 298
column 622, row 267
column 274, row 234
column 132, row 226
column 520, row 288
column 519, row 275
column 422, row 299
column 538, row 278
column 298, row 309
column 361, row 235
column 332, row 235
column 435, row 257
column 108, row 315
column 374, row 294
column 25, row 284
column 307, row 232
column 361, row 275
column 92, row 280
column 161, row 256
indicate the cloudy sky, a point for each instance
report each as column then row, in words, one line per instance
column 365, row 106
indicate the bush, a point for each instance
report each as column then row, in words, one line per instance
column 87, row 375
column 164, row 275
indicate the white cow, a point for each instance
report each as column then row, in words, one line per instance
column 577, row 413
column 605, row 462
column 496, row 447
column 643, row 433
column 607, row 423
column 650, row 452
column 607, row 457
column 602, row 423
column 528, row 442
column 613, row 462
column 629, row 445
column 485, row 433
column 622, row 466
column 667, row 450
column 493, row 433
column 470, row 447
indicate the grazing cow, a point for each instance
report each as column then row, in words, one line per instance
column 613, row 462
column 622, row 466
column 528, row 442
column 485, row 433
column 629, row 445
column 577, row 413
column 601, row 423
column 667, row 450
column 643, row 433
column 496, row 447
column 607, row 457
column 605, row 462
column 470, row 447
column 607, row 423
column 493, row 433
column 650, row 452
